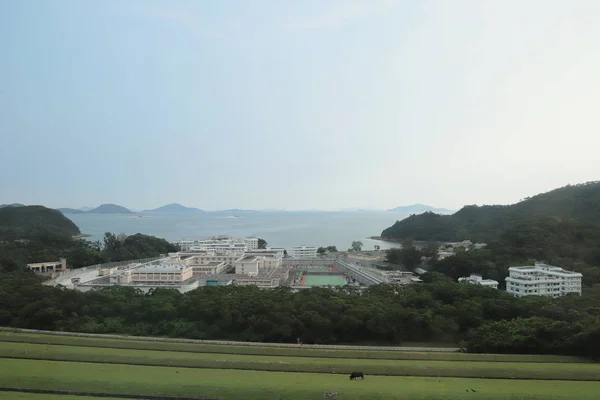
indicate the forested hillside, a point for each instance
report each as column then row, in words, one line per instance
column 482, row 224
column 36, row 233
column 29, row 222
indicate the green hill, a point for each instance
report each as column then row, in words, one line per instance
column 31, row 222
column 484, row 223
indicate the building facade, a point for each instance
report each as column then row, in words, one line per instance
column 478, row 280
column 49, row 267
column 247, row 265
column 303, row 252
column 251, row 243
column 153, row 275
column 542, row 280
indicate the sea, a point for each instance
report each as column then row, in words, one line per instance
column 279, row 229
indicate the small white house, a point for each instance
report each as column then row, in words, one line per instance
column 478, row 280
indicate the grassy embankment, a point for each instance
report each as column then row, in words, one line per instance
column 106, row 366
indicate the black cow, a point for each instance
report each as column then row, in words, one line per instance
column 355, row 375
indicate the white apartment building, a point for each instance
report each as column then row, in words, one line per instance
column 251, row 243
column 303, row 252
column 478, row 280
column 205, row 257
column 219, row 244
column 211, row 268
column 247, row 265
column 542, row 280
column 153, row 275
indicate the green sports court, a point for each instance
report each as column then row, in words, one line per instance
column 323, row 280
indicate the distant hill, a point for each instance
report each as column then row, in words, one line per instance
column 483, row 223
column 420, row 209
column 70, row 211
column 175, row 208
column 12, row 205
column 31, row 222
column 110, row 209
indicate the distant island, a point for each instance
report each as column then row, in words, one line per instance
column 420, row 209
column 174, row 208
column 67, row 210
column 102, row 209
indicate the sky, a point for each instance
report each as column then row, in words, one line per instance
column 313, row 104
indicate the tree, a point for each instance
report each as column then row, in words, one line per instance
column 321, row 251
column 285, row 253
column 409, row 258
column 332, row 249
column 262, row 243
column 356, row 245
column 376, row 247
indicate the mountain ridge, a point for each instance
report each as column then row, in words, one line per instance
column 483, row 223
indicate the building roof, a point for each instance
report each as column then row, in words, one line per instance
column 162, row 268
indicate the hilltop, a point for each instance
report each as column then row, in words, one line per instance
column 110, row 209
column 30, row 222
column 419, row 209
column 12, row 205
column 580, row 203
column 174, row 208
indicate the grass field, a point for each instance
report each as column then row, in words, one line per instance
column 231, row 384
column 274, row 351
column 139, row 367
column 485, row 369
column 324, row 280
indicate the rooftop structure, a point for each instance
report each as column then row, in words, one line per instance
column 542, row 280
column 478, row 280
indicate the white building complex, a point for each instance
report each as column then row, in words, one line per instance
column 542, row 280
column 220, row 244
column 478, row 280
column 303, row 252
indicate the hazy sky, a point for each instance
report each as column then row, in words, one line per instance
column 296, row 104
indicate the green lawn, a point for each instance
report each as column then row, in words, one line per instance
column 294, row 352
column 232, row 384
column 484, row 369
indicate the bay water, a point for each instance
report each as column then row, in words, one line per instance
column 279, row 229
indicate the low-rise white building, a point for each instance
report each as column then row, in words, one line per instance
column 478, row 280
column 49, row 266
column 542, row 280
column 220, row 244
column 247, row 265
column 158, row 275
column 251, row 243
column 303, row 252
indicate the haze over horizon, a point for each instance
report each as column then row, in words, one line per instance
column 296, row 105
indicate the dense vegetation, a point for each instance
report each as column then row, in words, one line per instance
column 482, row 224
column 439, row 310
